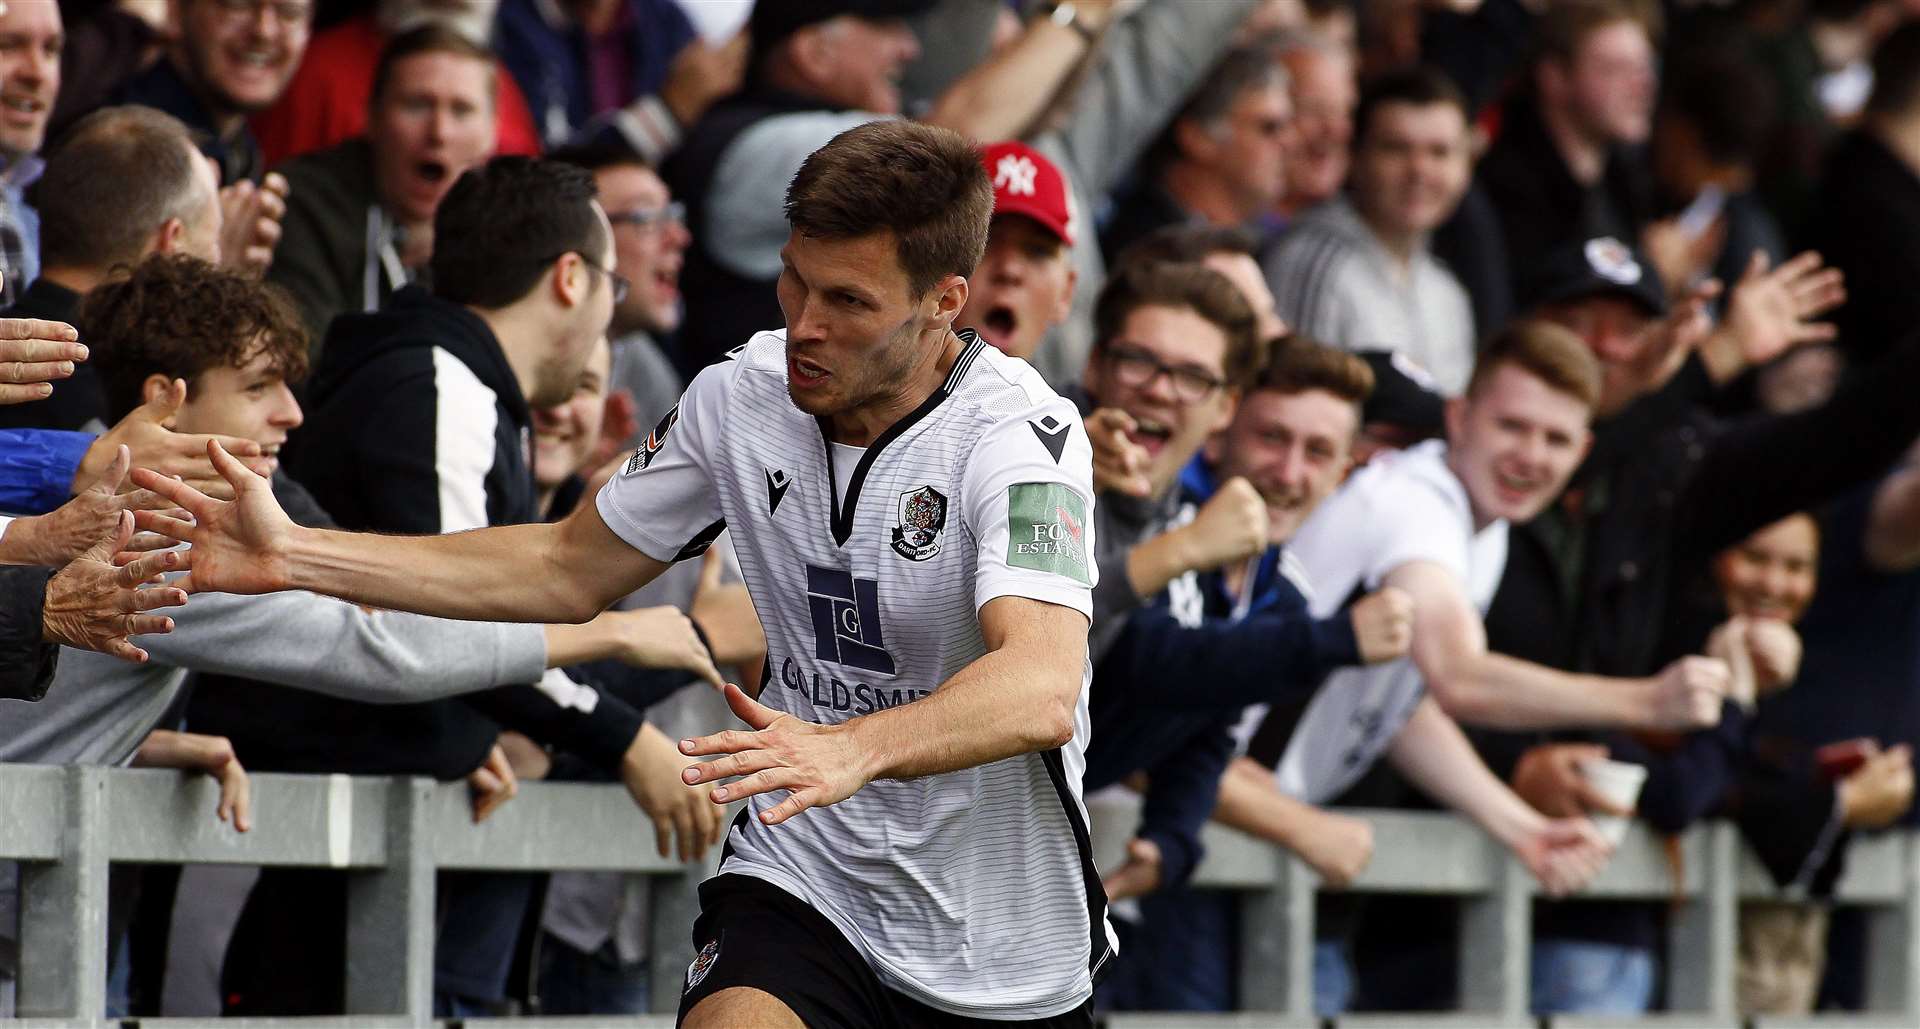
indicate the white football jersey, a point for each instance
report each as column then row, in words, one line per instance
column 973, row 891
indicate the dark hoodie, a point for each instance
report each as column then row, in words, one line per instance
column 400, row 412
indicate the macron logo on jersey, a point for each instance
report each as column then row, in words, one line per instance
column 846, row 620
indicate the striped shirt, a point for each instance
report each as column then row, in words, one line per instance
column 973, row 891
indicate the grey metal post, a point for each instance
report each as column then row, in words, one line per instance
column 390, row 915
column 1893, row 943
column 1703, row 936
column 1496, row 934
column 63, row 910
column 1276, row 941
column 675, row 904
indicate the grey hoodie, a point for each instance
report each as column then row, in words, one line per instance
column 100, row 708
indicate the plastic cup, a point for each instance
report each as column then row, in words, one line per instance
column 1620, row 783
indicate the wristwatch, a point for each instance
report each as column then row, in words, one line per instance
column 1068, row 16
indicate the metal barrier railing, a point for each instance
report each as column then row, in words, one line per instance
column 67, row 825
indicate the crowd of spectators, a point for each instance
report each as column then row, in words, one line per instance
column 1485, row 395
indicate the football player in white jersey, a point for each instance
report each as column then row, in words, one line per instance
column 912, row 511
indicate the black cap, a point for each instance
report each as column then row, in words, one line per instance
column 775, row 20
column 1404, row 394
column 1597, row 267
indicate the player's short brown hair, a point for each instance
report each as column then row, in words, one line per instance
column 179, row 316
column 1545, row 351
column 926, row 185
column 1297, row 364
column 1190, row 287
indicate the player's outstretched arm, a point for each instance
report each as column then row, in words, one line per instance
column 569, row 571
column 1018, row 698
column 1493, row 690
column 1564, row 854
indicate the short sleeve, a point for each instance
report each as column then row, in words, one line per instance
column 663, row 502
column 1423, row 526
column 1029, row 506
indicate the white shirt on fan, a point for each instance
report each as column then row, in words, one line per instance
column 1400, row 508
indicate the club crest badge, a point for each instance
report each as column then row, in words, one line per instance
column 702, row 964
column 923, row 514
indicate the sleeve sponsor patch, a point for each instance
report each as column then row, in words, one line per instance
column 650, row 446
column 1047, row 530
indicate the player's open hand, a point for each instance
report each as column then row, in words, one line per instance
column 239, row 545
column 817, row 764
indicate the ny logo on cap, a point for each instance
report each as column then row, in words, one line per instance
column 1016, row 174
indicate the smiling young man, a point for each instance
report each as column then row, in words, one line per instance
column 1432, row 520
column 911, row 512
column 1358, row 271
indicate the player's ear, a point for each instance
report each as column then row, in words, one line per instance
column 944, row 302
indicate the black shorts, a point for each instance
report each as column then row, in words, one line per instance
column 752, row 933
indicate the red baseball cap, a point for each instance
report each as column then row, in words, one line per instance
column 1024, row 182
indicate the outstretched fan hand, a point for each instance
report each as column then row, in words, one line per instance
column 239, row 545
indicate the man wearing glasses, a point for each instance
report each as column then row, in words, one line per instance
column 231, row 59
column 650, row 239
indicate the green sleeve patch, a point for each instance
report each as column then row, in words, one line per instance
column 1047, row 530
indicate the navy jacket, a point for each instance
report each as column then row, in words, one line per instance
column 1168, row 693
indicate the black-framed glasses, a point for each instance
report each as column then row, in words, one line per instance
column 1135, row 368
column 674, row 213
column 621, row 287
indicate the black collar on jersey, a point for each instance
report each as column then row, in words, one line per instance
column 970, row 348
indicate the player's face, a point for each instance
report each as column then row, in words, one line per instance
column 1024, row 286
column 852, row 322
column 1514, row 442
column 433, row 122
column 1771, row 573
column 1295, row 448
column 1166, row 368
column 564, row 435
column 251, row 402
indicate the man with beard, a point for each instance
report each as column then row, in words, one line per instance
column 912, row 511
column 650, row 238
